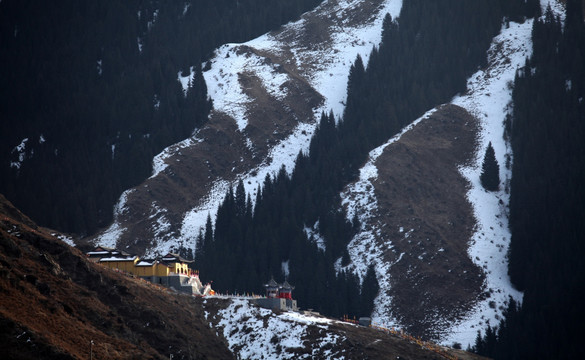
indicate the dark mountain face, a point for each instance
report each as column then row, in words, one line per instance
column 90, row 103
column 90, row 93
column 380, row 102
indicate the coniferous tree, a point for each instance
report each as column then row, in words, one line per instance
column 198, row 251
column 240, row 199
column 369, row 291
column 490, row 170
column 479, row 346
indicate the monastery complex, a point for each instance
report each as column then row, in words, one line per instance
column 170, row 270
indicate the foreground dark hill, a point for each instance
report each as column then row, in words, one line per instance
column 53, row 302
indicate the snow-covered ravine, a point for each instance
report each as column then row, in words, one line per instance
column 326, row 69
column 488, row 98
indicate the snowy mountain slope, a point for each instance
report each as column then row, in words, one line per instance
column 289, row 327
column 488, row 99
column 267, row 95
column 442, row 271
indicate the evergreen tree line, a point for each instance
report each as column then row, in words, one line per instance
column 94, row 87
column 251, row 245
column 420, row 64
column 547, row 205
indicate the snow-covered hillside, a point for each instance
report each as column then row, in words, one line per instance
column 489, row 99
column 251, row 331
column 280, row 62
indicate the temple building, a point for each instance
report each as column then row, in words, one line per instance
column 278, row 296
column 170, row 270
column 285, row 291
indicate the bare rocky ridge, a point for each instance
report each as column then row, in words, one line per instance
column 423, row 211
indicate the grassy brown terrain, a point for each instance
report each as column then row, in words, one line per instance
column 423, row 211
column 53, row 302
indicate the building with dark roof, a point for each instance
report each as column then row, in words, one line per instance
column 278, row 296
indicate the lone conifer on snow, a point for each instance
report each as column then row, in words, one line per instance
column 490, row 170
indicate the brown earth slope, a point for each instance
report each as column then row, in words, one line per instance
column 424, row 214
column 53, row 302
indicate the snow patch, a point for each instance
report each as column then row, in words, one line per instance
column 66, row 239
column 110, row 237
column 186, row 8
column 186, row 80
column 313, row 233
column 223, row 84
column 257, row 333
column 20, row 151
column 156, row 102
column 557, row 7
column 285, row 268
column 150, row 24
